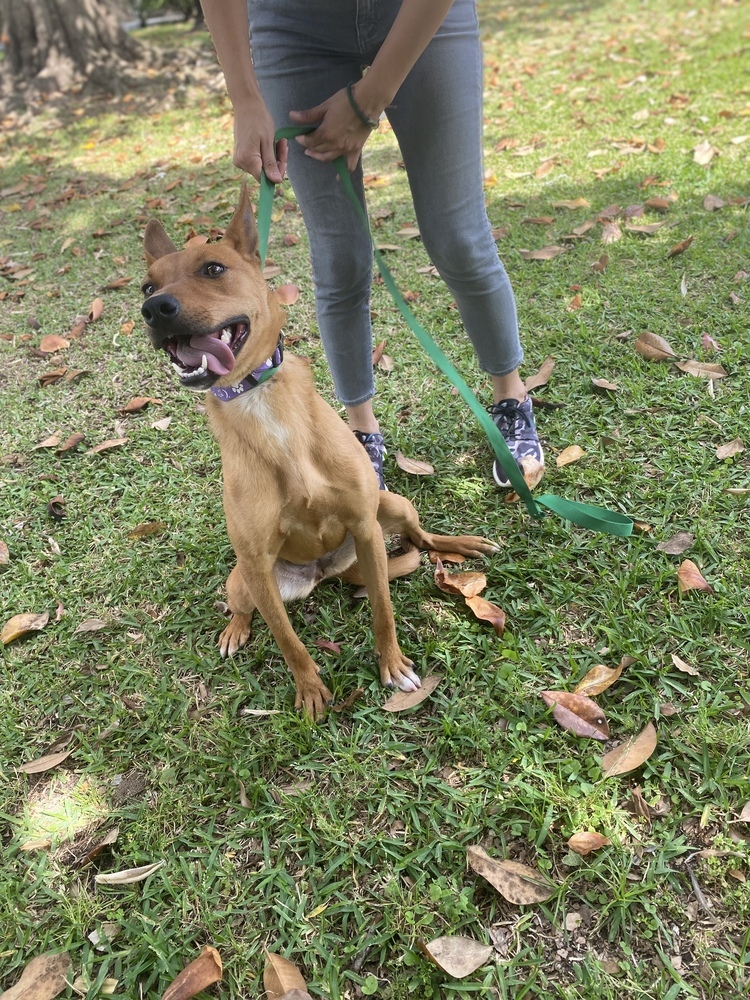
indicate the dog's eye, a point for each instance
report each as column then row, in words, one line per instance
column 214, row 270
column 147, row 290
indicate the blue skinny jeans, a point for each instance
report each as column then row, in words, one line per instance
column 306, row 50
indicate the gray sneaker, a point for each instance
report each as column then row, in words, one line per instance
column 515, row 421
column 375, row 448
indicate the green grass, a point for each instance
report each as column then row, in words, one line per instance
column 369, row 855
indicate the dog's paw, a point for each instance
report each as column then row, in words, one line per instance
column 314, row 700
column 234, row 636
column 400, row 674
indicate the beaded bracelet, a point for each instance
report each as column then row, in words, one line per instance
column 369, row 122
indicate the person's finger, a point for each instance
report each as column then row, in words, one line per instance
column 282, row 149
column 308, row 117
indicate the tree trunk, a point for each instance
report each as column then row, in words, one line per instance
column 53, row 45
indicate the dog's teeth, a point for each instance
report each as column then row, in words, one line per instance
column 226, row 335
column 204, row 364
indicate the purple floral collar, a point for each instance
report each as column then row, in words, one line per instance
column 261, row 373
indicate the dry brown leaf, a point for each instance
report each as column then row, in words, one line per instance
column 568, row 455
column 97, row 308
column 4, row 553
column 744, row 816
column 677, row 544
column 680, row 247
column 585, row 843
column 730, row 449
column 658, row 204
column 573, row 204
column 377, row 353
column 577, row 713
column 20, row 625
column 704, row 152
column 600, row 677
column 575, row 304
column 413, row 465
column 652, row 347
column 137, row 403
column 148, row 528
column 542, row 376
column 517, row 883
column 49, row 378
column 44, row 978
column 91, row 625
column 402, row 700
column 488, row 612
column 543, row 253
column 408, row 232
column 712, row 203
column 161, row 425
column 701, row 369
column 630, row 754
column 280, row 976
column 129, row 875
column 600, row 266
column 353, row 697
column 683, row 667
column 287, row 294
column 52, row 343
column 611, row 232
column 45, row 763
column 467, row 584
column 603, row 383
column 106, row 445
column 72, row 442
column 455, row 955
column 689, row 578
column 118, row 283
column 645, row 228
column 197, row 976
column 36, row 845
column 51, row 442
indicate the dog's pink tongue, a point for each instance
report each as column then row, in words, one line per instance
column 218, row 355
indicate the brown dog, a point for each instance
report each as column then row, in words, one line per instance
column 300, row 496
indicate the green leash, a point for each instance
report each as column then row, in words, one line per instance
column 585, row 515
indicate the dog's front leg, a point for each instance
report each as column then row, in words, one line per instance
column 396, row 670
column 312, row 694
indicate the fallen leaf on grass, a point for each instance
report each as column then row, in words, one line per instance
column 148, row 528
column 49, row 378
column 197, row 976
column 730, row 449
column 280, row 976
column 128, row 875
column 577, row 713
column 377, row 353
column 72, row 442
column 351, row 698
column 704, row 152
column 4, row 554
column 446, row 557
column 161, row 425
column 106, row 445
column 413, row 466
column 652, row 347
column 20, row 625
column 712, row 203
column 630, row 754
column 97, row 308
column 44, row 978
column 600, row 266
column 568, row 455
column 683, row 667
column 603, row 383
column 52, row 343
column 50, row 442
column 701, row 369
column 402, row 700
column 543, row 253
column 515, row 882
column 572, row 204
column 45, row 763
column 56, row 507
column 601, row 677
column 542, row 376
column 689, row 578
column 680, row 247
column 487, row 612
column 644, row 228
column 677, row 544
column 36, row 845
column 467, row 584
column 91, row 625
column 328, row 646
column 585, row 843
column 456, row 955
column 137, row 403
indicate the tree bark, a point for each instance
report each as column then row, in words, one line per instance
column 52, row 45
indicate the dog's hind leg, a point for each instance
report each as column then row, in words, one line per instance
column 237, row 632
column 397, row 516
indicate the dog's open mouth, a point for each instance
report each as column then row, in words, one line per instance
column 213, row 353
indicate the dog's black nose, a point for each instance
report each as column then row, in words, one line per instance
column 159, row 308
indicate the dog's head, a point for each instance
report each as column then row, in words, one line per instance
column 208, row 305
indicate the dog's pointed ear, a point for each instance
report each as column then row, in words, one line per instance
column 156, row 243
column 242, row 233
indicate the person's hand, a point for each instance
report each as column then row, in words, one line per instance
column 254, row 148
column 339, row 131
